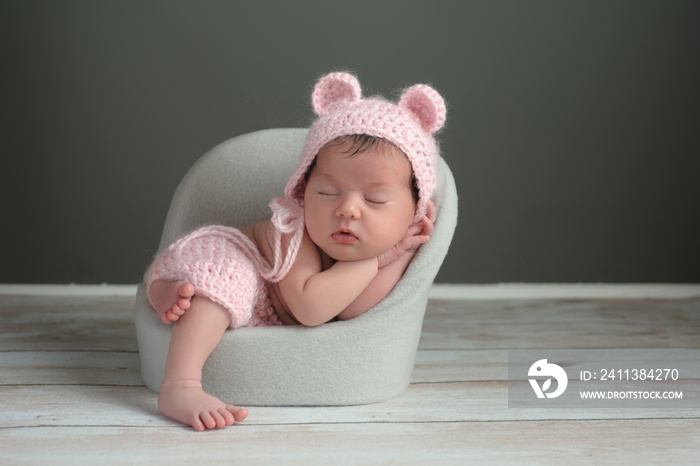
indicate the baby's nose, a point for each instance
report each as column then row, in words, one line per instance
column 348, row 207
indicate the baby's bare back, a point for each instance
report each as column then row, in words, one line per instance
column 261, row 235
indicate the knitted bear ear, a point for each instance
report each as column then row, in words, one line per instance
column 426, row 104
column 332, row 88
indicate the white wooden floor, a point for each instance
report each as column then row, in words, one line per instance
column 71, row 393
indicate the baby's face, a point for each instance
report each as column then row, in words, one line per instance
column 359, row 206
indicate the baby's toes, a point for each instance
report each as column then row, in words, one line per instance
column 174, row 314
column 239, row 414
column 218, row 418
column 227, row 416
column 198, row 424
column 208, row 420
column 184, row 304
column 186, row 290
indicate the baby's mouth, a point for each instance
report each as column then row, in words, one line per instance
column 344, row 237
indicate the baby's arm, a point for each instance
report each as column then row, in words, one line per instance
column 385, row 281
column 315, row 296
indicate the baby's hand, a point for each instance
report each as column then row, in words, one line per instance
column 417, row 234
column 428, row 219
column 425, row 227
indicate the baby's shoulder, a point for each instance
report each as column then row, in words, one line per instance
column 262, row 234
column 311, row 252
column 308, row 251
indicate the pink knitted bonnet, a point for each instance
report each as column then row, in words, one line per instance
column 337, row 100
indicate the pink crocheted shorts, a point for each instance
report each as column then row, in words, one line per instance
column 216, row 261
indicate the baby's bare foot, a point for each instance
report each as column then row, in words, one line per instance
column 171, row 298
column 186, row 402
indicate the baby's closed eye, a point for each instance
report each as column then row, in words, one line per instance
column 378, row 197
column 328, row 191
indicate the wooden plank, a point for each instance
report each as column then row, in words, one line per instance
column 460, row 366
column 527, row 324
column 67, row 324
column 508, row 291
column 69, row 368
column 33, row 406
column 541, row 442
column 665, row 311
column 122, row 368
column 117, row 302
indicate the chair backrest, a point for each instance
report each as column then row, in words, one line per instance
column 234, row 182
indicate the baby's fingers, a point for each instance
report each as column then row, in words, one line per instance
column 430, row 211
column 414, row 229
column 427, row 226
column 412, row 243
column 424, row 227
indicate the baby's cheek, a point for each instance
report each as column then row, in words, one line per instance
column 393, row 234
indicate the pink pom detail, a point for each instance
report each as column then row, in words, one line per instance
column 426, row 104
column 333, row 88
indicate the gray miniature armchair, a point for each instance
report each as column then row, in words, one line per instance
column 359, row 361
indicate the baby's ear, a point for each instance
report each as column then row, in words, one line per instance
column 426, row 104
column 333, row 88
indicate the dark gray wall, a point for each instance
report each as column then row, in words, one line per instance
column 572, row 126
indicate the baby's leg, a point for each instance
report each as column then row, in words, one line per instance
column 181, row 398
column 170, row 298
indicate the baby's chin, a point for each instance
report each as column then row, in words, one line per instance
column 349, row 256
